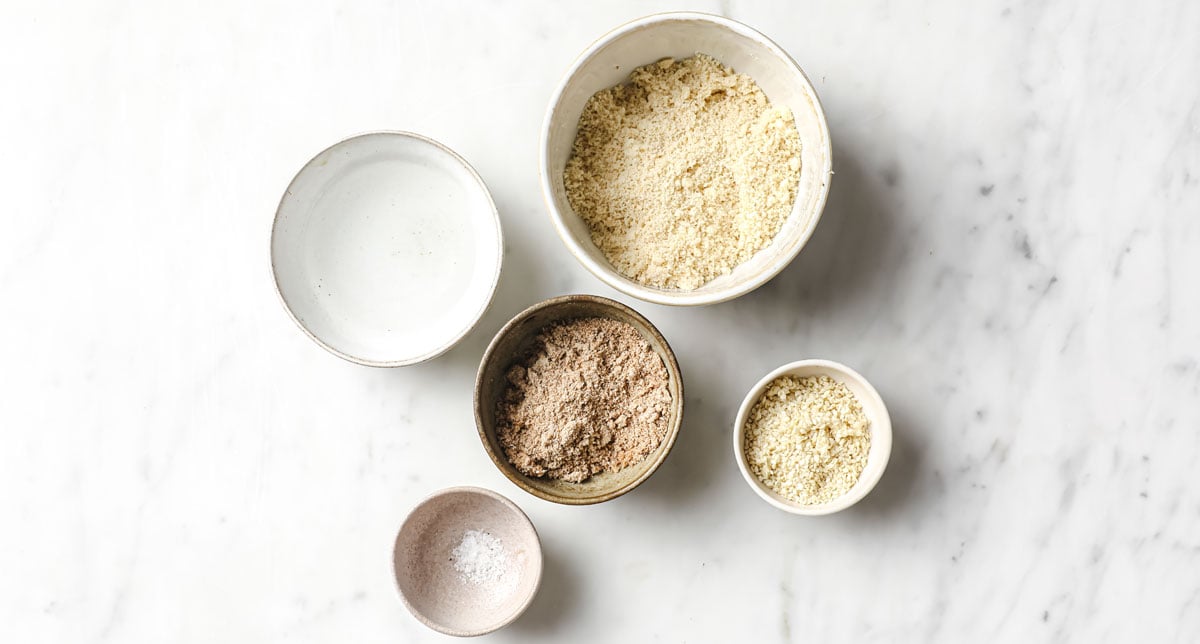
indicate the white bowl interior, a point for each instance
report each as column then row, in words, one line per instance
column 435, row 592
column 873, row 407
column 386, row 248
column 609, row 63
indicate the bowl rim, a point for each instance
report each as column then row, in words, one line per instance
column 439, row 350
column 881, row 439
column 468, row 489
column 670, row 361
column 609, row 275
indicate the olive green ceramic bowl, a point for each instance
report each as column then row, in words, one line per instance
column 514, row 341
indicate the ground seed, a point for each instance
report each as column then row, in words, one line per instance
column 592, row 396
column 684, row 172
column 807, row 439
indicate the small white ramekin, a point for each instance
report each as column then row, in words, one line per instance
column 873, row 407
column 608, row 62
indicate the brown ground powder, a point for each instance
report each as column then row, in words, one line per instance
column 590, row 397
column 684, row 172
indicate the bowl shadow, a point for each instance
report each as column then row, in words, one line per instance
column 895, row 492
column 556, row 598
column 847, row 257
column 703, row 448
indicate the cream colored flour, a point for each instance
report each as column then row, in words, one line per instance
column 684, row 172
column 807, row 439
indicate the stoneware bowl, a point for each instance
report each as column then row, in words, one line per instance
column 514, row 341
column 386, row 249
column 438, row 594
column 872, row 404
column 608, row 62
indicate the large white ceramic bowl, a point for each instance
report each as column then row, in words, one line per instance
column 386, row 249
column 609, row 61
column 880, row 429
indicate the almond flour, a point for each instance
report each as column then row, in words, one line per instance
column 684, row 172
column 807, row 439
column 592, row 396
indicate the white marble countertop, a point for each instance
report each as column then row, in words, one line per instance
column 1009, row 254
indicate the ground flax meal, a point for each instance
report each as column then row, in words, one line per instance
column 684, row 172
column 590, row 397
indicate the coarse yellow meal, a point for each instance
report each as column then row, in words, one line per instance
column 807, row 439
column 684, row 172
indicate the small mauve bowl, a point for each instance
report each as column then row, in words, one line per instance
column 434, row 591
column 513, row 341
column 873, row 407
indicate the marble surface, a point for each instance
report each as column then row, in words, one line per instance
column 1008, row 254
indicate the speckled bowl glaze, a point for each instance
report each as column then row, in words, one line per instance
column 513, row 341
column 608, row 62
column 434, row 591
column 873, row 407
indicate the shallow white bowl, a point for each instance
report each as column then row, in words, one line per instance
column 873, row 407
column 386, row 249
column 609, row 61
column 435, row 592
